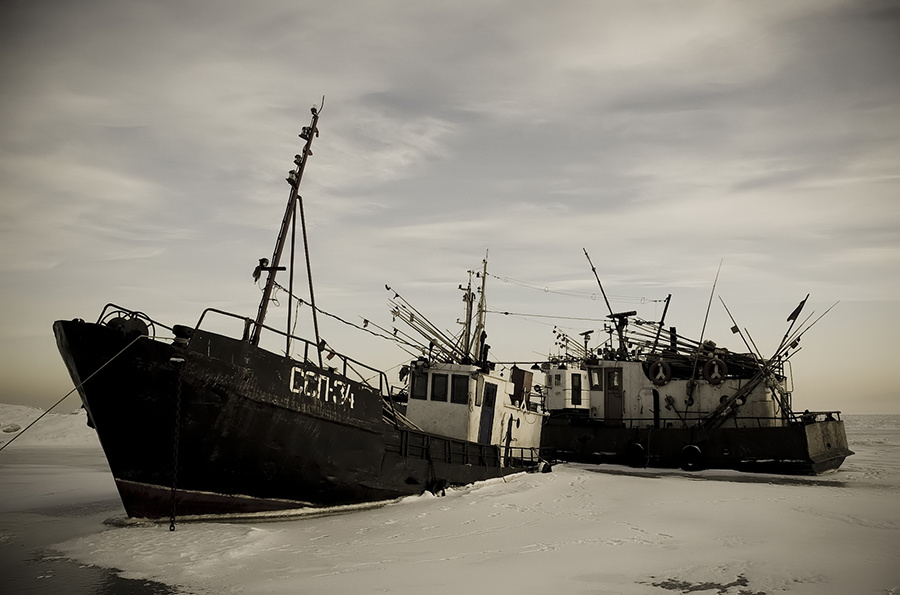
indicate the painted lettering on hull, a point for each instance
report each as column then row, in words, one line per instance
column 322, row 388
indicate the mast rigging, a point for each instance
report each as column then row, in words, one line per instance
column 272, row 267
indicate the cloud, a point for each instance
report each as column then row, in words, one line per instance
column 145, row 146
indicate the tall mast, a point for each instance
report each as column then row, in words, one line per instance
column 271, row 268
column 467, row 334
column 482, row 308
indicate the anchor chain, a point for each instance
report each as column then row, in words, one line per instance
column 176, row 363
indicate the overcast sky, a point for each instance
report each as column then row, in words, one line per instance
column 145, row 145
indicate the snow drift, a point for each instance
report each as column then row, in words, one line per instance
column 579, row 529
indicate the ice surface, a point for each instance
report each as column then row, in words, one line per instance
column 55, row 429
column 54, row 486
column 579, row 529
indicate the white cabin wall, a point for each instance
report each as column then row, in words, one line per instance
column 762, row 404
column 703, row 400
column 445, row 418
column 503, row 407
column 632, row 378
column 475, row 406
column 596, row 401
column 707, row 397
column 598, row 405
column 554, row 387
column 526, row 433
column 639, row 404
column 558, row 387
column 462, row 421
column 526, row 426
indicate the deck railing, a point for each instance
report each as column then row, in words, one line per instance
column 347, row 364
column 694, row 418
column 430, row 447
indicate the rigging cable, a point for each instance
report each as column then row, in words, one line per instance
column 547, row 316
column 573, row 293
column 301, row 301
column 77, row 386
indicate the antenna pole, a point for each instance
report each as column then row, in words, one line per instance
column 597, row 277
column 662, row 321
column 482, row 308
column 469, row 297
column 690, row 384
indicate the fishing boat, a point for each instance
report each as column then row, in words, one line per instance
column 195, row 422
column 648, row 396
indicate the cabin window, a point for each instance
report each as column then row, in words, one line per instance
column 439, row 387
column 419, row 388
column 576, row 390
column 596, row 380
column 557, row 380
column 459, row 389
column 614, row 378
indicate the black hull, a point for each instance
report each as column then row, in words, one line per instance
column 809, row 449
column 220, row 426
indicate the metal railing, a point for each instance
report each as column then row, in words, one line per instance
column 523, row 456
column 431, row 447
column 693, row 418
column 347, row 364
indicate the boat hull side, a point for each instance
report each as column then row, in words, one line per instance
column 237, row 429
column 795, row 449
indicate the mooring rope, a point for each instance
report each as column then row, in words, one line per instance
column 77, row 386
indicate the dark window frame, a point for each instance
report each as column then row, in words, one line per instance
column 437, row 380
column 419, row 386
column 459, row 389
column 577, row 383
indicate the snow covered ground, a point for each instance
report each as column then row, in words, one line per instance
column 579, row 529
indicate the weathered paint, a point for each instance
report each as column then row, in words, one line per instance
column 658, row 423
column 254, row 430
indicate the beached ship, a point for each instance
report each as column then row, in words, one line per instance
column 195, row 422
column 651, row 397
